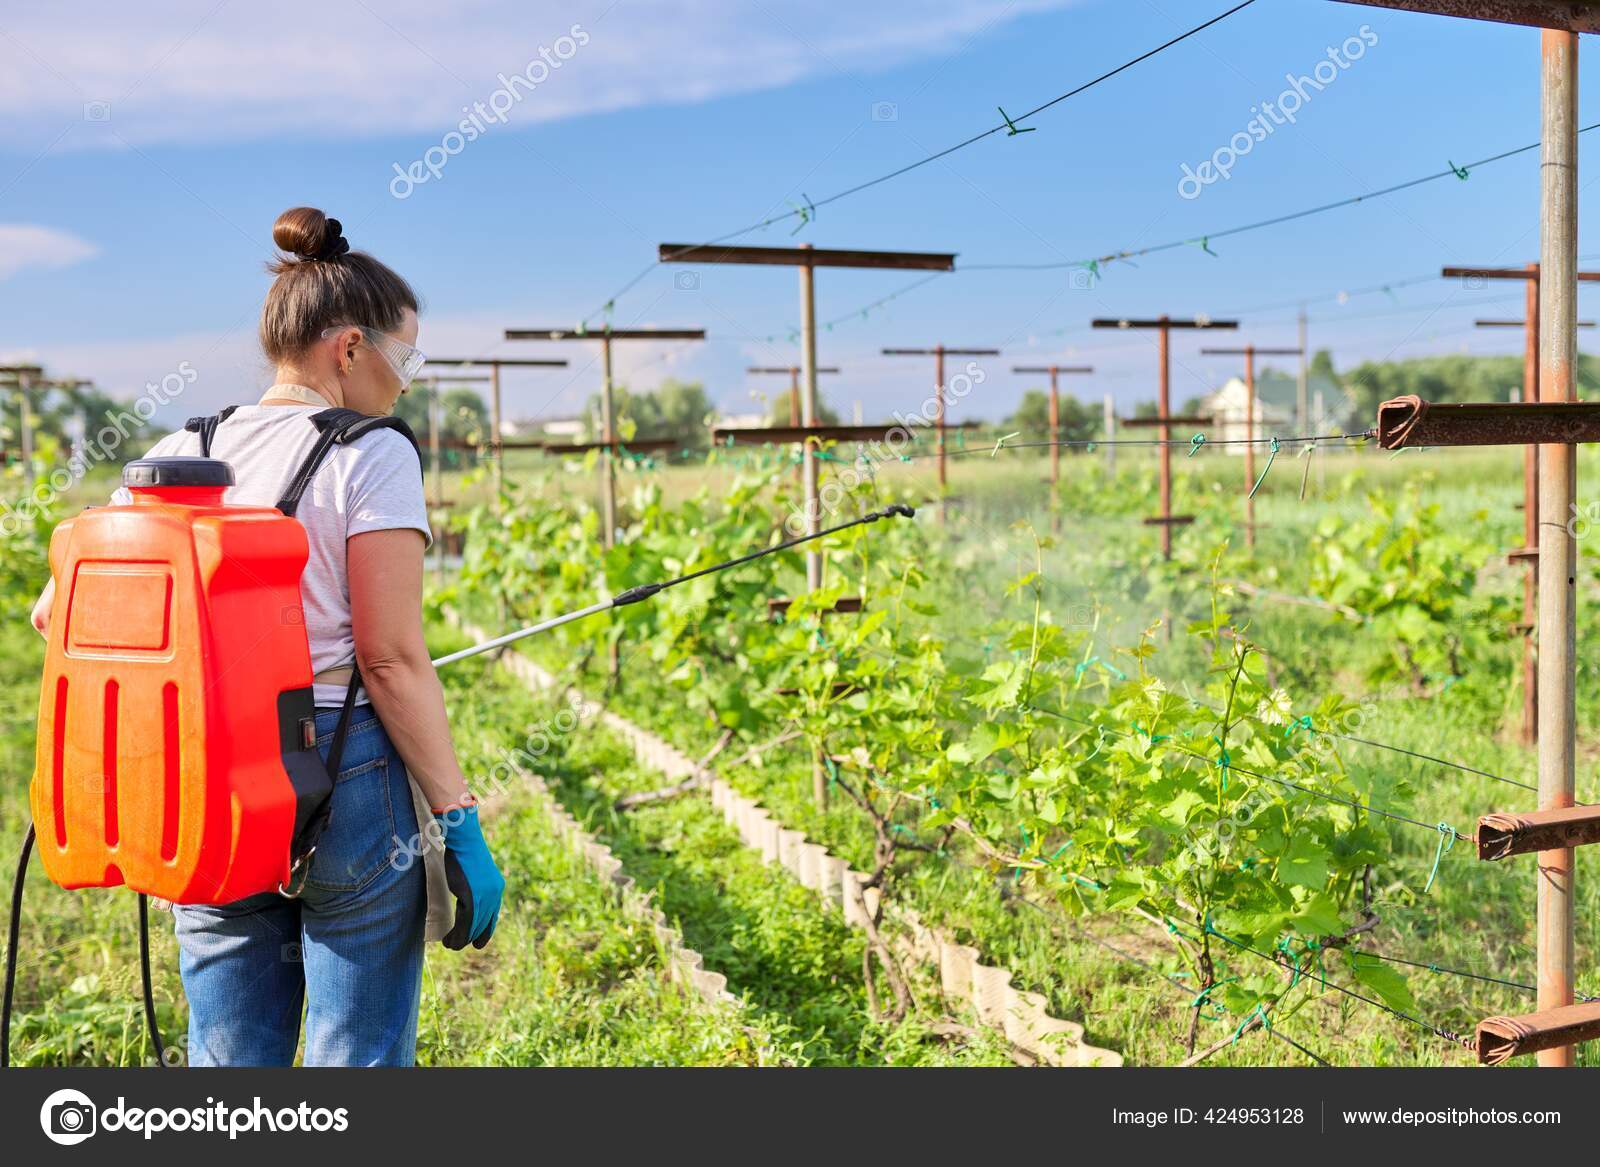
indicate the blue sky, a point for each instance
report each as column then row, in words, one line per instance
column 133, row 232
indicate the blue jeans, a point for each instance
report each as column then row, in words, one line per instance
column 349, row 949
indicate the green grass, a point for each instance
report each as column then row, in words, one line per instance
column 569, row 979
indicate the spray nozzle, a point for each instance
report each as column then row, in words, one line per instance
column 899, row 508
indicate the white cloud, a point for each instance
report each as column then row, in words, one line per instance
column 25, row 245
column 199, row 71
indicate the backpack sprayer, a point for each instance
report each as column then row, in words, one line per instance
column 160, row 766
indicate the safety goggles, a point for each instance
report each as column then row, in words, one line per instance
column 406, row 360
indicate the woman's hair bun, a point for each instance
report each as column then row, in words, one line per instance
column 308, row 234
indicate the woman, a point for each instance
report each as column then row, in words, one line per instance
column 340, row 328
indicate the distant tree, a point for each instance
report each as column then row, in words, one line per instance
column 675, row 410
column 1322, row 366
column 1446, row 378
column 1032, row 417
column 462, row 414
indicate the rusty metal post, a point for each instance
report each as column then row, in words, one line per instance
column 938, row 396
column 1249, row 448
column 25, row 428
column 809, row 466
column 1558, row 219
column 436, row 457
column 1055, row 430
column 495, row 447
column 1111, row 439
column 1301, row 378
column 1530, row 517
column 808, row 414
column 1249, row 352
column 1165, row 432
column 608, row 464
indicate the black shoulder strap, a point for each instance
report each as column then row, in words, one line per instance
column 206, row 427
column 338, row 427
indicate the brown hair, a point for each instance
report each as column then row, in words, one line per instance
column 322, row 283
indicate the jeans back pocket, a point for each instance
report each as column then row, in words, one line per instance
column 355, row 847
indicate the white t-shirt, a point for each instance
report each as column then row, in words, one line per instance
column 372, row 484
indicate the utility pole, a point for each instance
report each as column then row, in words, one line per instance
column 939, row 352
column 608, row 434
column 497, row 443
column 807, row 259
column 1163, row 325
column 1249, row 352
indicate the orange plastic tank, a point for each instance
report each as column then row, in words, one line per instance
column 177, row 695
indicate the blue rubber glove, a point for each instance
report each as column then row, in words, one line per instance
column 473, row 878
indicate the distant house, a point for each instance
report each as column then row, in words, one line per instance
column 741, row 421
column 565, row 428
column 1276, row 396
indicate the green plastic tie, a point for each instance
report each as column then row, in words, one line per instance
column 1447, row 840
column 1011, row 126
column 1195, row 443
column 1460, row 172
column 1259, row 1011
column 1301, row 722
column 1270, row 458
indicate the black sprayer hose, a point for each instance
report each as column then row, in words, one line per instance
column 645, row 591
column 14, row 927
column 144, row 977
column 11, row 946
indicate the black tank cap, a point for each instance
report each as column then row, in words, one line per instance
column 177, row 472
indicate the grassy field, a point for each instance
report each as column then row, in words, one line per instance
column 571, row 980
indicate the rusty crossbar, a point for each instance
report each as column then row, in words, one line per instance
column 805, row 256
column 1409, row 421
column 1179, row 419
column 1563, row 14
column 1168, row 520
column 778, row 605
column 782, row 434
column 642, row 446
column 1505, row 834
column 1501, row 1038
